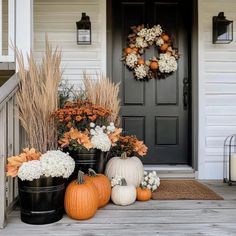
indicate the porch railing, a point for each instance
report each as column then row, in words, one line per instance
column 10, row 143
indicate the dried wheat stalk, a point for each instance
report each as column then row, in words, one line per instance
column 102, row 91
column 37, row 97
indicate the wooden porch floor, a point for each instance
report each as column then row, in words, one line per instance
column 148, row 218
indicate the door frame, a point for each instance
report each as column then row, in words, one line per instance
column 193, row 73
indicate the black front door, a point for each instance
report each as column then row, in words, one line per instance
column 157, row 111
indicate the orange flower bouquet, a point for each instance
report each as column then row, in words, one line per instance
column 83, row 126
column 129, row 144
column 79, row 114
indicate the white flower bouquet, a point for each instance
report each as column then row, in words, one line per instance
column 53, row 163
column 150, row 181
column 103, row 137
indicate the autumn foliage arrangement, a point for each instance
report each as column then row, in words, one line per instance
column 129, row 144
column 84, row 125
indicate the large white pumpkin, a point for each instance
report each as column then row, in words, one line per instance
column 130, row 168
column 123, row 195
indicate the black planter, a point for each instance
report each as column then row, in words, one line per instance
column 42, row 200
column 85, row 159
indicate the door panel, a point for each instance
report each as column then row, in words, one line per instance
column 153, row 110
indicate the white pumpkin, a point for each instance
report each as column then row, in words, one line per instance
column 124, row 194
column 130, row 168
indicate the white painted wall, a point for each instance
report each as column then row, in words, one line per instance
column 58, row 19
column 217, row 89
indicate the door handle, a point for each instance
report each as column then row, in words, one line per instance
column 185, row 93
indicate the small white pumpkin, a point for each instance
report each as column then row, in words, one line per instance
column 123, row 194
column 130, row 168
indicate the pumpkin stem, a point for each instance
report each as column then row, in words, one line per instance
column 80, row 179
column 124, row 156
column 123, row 182
column 92, row 172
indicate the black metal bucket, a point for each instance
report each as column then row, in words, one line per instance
column 84, row 160
column 42, row 200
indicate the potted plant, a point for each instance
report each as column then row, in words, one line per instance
column 84, row 132
column 125, row 159
column 42, row 180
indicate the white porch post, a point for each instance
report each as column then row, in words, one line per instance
column 24, row 26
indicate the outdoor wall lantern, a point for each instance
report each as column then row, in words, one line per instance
column 229, row 167
column 84, row 30
column 222, row 29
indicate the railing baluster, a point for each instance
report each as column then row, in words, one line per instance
column 3, row 147
column 10, row 143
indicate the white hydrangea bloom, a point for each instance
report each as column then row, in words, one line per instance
column 57, row 164
column 116, row 180
column 92, row 125
column 151, row 180
column 30, row 170
column 131, row 60
column 157, row 30
column 167, row 63
column 154, row 187
column 140, row 72
column 150, row 36
column 159, row 41
column 111, row 127
column 141, row 43
column 142, row 32
column 100, row 139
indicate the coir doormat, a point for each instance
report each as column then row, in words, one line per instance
column 184, row 190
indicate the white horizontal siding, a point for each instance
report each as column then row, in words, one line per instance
column 217, row 77
column 57, row 19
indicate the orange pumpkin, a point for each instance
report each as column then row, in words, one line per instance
column 103, row 185
column 143, row 194
column 165, row 37
column 128, row 51
column 154, row 65
column 81, row 198
column 140, row 61
column 135, row 50
column 164, row 47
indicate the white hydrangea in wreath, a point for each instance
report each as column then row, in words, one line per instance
column 159, row 66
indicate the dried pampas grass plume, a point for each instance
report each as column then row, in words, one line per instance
column 37, row 97
column 102, row 91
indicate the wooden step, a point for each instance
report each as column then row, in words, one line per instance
column 172, row 172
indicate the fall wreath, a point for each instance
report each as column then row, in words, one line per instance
column 159, row 66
